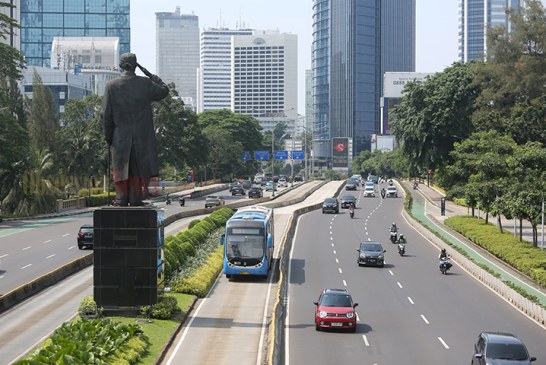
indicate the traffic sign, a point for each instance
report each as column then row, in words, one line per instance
column 298, row 155
column 261, row 155
column 281, row 155
column 246, row 156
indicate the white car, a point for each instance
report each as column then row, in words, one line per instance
column 369, row 191
column 282, row 183
column 392, row 192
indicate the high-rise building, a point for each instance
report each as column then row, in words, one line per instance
column 354, row 42
column 264, row 77
column 97, row 57
column 13, row 11
column 347, row 69
column 177, row 52
column 214, row 83
column 475, row 16
column 398, row 36
column 309, row 114
column 42, row 20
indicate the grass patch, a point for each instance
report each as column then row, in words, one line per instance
column 160, row 331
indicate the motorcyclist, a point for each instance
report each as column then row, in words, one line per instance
column 352, row 209
column 402, row 239
column 182, row 201
column 168, row 199
column 393, row 227
column 443, row 255
column 383, row 192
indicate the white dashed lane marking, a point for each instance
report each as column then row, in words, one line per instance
column 26, row 248
column 424, row 319
column 365, row 341
column 443, row 343
column 411, row 301
column 24, row 267
column 400, row 285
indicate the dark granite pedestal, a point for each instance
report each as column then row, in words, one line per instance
column 128, row 257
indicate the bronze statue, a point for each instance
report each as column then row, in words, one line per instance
column 129, row 129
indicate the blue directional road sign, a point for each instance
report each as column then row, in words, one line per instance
column 261, row 155
column 246, row 156
column 281, row 155
column 298, row 155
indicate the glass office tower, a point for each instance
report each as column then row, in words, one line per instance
column 41, row 20
column 347, row 72
column 475, row 16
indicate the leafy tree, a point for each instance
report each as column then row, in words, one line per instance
column 43, row 123
column 515, row 73
column 434, row 114
column 224, row 154
column 482, row 167
column 11, row 60
column 180, row 141
column 82, row 151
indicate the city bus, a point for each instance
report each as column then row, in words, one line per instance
column 248, row 242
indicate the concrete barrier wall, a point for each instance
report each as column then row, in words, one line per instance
column 23, row 292
column 531, row 309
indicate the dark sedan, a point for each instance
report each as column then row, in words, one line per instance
column 371, row 253
column 255, row 192
column 85, row 236
column 330, row 205
column 347, row 200
column 238, row 190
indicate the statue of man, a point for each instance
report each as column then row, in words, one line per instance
column 129, row 129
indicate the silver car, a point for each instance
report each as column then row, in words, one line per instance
column 214, row 201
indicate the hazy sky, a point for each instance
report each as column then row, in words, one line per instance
column 436, row 28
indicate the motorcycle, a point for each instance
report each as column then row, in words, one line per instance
column 182, row 201
column 445, row 265
column 394, row 237
column 415, row 185
column 401, row 249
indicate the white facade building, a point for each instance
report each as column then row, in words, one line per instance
column 264, row 77
column 177, row 52
column 97, row 57
column 214, row 76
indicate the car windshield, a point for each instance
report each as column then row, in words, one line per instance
column 86, row 229
column 241, row 246
column 506, row 351
column 336, row 300
column 391, row 188
column 330, row 201
column 375, row 247
column 212, row 197
column 348, row 198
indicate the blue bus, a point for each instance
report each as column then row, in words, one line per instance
column 248, row 242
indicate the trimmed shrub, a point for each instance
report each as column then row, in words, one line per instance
column 163, row 310
column 187, row 249
column 193, row 223
column 523, row 256
column 200, row 282
column 99, row 199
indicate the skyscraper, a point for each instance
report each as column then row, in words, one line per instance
column 214, row 84
column 347, row 64
column 177, row 52
column 354, row 42
column 475, row 16
column 41, row 20
column 13, row 12
column 264, row 77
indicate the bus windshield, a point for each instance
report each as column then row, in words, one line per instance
column 244, row 247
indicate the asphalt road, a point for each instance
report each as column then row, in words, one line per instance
column 32, row 248
column 408, row 312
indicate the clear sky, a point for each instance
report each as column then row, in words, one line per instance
column 436, row 28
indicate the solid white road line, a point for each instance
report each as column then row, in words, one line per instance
column 365, row 341
column 424, row 319
column 443, row 343
column 411, row 301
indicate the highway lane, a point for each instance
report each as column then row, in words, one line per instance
column 32, row 248
column 408, row 312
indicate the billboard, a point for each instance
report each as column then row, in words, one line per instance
column 394, row 82
column 340, row 152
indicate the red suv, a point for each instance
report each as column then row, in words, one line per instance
column 335, row 309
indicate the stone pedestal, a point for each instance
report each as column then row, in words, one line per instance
column 128, row 257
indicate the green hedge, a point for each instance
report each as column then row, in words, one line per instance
column 202, row 279
column 525, row 258
column 179, row 248
column 99, row 199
